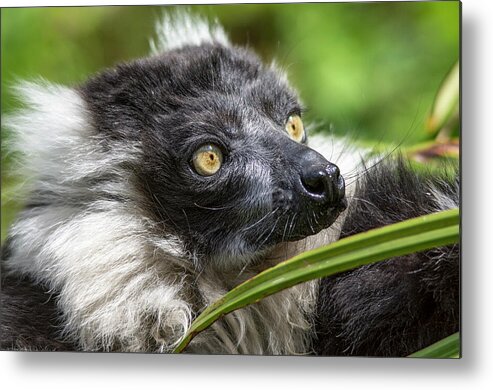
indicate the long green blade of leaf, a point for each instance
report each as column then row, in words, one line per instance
column 446, row 102
column 376, row 245
column 449, row 347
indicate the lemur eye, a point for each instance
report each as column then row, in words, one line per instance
column 295, row 129
column 207, row 160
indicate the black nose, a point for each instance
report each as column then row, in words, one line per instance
column 323, row 183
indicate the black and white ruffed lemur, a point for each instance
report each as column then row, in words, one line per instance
column 158, row 185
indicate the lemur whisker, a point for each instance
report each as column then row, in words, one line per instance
column 260, row 220
column 214, row 208
column 360, row 174
column 270, row 233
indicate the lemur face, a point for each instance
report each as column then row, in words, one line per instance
column 224, row 162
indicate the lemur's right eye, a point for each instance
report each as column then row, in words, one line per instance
column 207, row 160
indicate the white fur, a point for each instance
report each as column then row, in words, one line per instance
column 96, row 252
column 181, row 28
column 444, row 201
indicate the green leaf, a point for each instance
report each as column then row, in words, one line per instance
column 446, row 103
column 375, row 245
column 449, row 347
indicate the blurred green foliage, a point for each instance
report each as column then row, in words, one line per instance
column 370, row 70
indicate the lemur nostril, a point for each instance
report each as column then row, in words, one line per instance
column 315, row 182
column 323, row 183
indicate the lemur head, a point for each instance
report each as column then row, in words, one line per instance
column 222, row 158
column 224, row 163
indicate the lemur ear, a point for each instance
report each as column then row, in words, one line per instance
column 182, row 28
column 52, row 121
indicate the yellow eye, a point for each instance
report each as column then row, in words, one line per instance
column 207, row 160
column 295, row 129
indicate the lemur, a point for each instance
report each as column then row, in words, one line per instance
column 158, row 185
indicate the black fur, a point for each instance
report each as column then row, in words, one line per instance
column 29, row 318
column 399, row 306
column 210, row 94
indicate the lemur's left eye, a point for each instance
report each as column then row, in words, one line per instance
column 207, row 160
column 295, row 129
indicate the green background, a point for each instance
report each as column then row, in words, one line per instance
column 368, row 70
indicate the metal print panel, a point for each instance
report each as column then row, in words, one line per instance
column 263, row 179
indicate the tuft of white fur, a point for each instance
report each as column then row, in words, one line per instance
column 281, row 72
column 181, row 28
column 445, row 201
